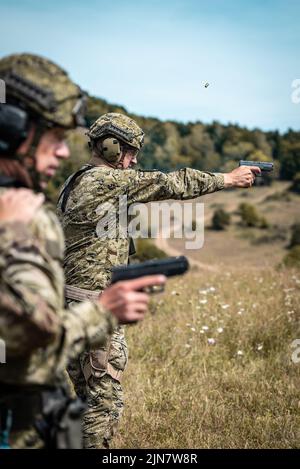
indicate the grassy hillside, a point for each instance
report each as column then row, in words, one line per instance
column 212, row 368
column 242, row 247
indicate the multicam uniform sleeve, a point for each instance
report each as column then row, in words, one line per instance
column 187, row 183
column 32, row 313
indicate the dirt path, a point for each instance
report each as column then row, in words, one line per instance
column 164, row 243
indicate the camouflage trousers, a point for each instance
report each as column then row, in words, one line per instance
column 96, row 378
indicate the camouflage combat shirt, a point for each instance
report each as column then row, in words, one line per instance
column 89, row 258
column 40, row 335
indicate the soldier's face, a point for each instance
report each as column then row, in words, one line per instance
column 129, row 159
column 51, row 150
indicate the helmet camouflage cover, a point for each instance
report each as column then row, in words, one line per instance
column 43, row 89
column 117, row 125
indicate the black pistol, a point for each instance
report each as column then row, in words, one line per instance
column 265, row 166
column 168, row 267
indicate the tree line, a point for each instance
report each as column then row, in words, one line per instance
column 172, row 145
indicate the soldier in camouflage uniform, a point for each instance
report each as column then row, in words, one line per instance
column 115, row 141
column 40, row 335
column 19, row 206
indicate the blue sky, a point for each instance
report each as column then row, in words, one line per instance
column 154, row 57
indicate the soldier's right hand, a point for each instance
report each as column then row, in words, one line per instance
column 19, row 205
column 125, row 300
column 243, row 176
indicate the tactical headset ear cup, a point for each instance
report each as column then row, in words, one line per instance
column 111, row 149
column 14, row 126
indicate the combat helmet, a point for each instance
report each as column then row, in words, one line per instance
column 113, row 130
column 38, row 90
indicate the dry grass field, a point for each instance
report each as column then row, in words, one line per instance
column 213, row 368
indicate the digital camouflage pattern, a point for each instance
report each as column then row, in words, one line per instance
column 122, row 127
column 89, row 259
column 41, row 336
column 43, row 87
column 103, row 394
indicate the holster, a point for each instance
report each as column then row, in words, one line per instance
column 59, row 424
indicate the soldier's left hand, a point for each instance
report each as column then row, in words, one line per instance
column 19, row 205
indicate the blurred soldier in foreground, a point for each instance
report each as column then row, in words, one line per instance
column 40, row 335
column 18, row 206
column 115, row 141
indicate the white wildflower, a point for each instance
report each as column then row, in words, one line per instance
column 203, row 302
column 225, row 306
column 211, row 341
column 220, row 330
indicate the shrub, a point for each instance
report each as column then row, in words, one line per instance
column 193, row 225
column 220, row 219
column 295, row 187
column 146, row 250
column 295, row 237
column 292, row 259
column 250, row 217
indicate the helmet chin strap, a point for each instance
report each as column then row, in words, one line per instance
column 95, row 160
column 119, row 165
